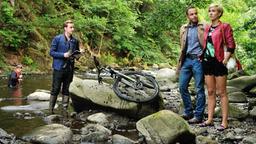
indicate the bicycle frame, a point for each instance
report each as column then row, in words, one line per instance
column 135, row 80
column 119, row 74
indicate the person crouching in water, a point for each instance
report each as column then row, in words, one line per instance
column 62, row 47
column 15, row 77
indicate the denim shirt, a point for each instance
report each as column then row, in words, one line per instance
column 59, row 46
column 193, row 45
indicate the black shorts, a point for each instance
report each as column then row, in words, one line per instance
column 212, row 66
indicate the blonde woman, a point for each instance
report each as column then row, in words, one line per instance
column 217, row 35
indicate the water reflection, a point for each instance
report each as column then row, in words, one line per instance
column 16, row 94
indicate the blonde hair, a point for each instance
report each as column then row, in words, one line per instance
column 219, row 8
column 67, row 22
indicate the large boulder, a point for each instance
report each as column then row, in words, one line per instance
column 95, row 133
column 231, row 89
column 236, row 110
column 50, row 134
column 89, row 94
column 237, row 97
column 165, row 127
column 242, row 82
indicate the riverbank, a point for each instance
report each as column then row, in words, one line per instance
column 242, row 124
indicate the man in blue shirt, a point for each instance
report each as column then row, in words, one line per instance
column 191, row 40
column 62, row 47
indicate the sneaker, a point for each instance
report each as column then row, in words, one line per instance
column 195, row 120
column 186, row 117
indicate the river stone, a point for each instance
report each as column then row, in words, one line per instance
column 99, row 118
column 31, row 107
column 242, row 82
column 165, row 127
column 235, row 111
column 39, row 95
column 253, row 90
column 91, row 93
column 253, row 112
column 50, row 134
column 54, row 118
column 119, row 139
column 3, row 133
column 166, row 74
column 249, row 139
column 237, row 97
column 205, row 140
column 231, row 89
column 95, row 133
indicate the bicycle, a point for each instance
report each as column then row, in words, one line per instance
column 132, row 86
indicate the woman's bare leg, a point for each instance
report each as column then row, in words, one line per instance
column 221, row 82
column 211, row 88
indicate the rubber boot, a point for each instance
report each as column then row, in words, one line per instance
column 52, row 103
column 65, row 102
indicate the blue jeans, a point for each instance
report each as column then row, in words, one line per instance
column 192, row 68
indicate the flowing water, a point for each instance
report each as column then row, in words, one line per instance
column 15, row 97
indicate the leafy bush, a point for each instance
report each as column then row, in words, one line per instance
column 27, row 60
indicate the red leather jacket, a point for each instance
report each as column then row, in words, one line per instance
column 218, row 39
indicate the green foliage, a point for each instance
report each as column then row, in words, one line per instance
column 27, row 60
column 124, row 31
column 14, row 33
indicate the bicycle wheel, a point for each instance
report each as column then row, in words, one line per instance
column 142, row 88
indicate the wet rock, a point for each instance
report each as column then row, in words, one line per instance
column 118, row 139
column 53, row 119
column 237, row 97
column 50, row 134
column 165, row 127
column 99, row 118
column 95, row 133
column 18, row 115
